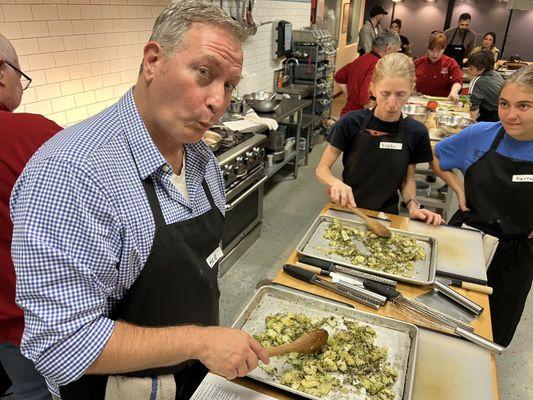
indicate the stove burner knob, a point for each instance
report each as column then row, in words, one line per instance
column 227, row 174
column 251, row 158
column 239, row 168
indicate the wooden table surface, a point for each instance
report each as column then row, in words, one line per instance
column 481, row 325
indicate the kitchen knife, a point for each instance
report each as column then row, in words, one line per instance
column 331, row 267
column 351, row 293
column 466, row 285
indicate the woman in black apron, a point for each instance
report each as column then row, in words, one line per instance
column 380, row 148
column 497, row 199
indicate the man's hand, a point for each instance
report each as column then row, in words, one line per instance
column 530, row 236
column 229, row 352
column 342, row 194
column 425, row 215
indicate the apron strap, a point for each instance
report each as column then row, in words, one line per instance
column 149, row 189
column 208, row 194
column 453, row 37
column 497, row 140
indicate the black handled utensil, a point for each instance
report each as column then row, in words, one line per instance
column 329, row 267
column 359, row 295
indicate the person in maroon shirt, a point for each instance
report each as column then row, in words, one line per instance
column 20, row 136
column 436, row 73
column 354, row 78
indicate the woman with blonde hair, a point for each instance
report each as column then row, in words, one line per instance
column 496, row 159
column 379, row 147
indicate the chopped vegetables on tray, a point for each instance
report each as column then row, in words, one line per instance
column 395, row 255
column 350, row 357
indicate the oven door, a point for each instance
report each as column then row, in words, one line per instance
column 244, row 211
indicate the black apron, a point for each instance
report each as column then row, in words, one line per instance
column 502, row 207
column 374, row 170
column 456, row 51
column 175, row 287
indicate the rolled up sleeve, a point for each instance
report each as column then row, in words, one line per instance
column 66, row 247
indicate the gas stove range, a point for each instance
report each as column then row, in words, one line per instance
column 239, row 159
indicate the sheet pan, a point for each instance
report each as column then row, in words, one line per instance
column 401, row 338
column 313, row 242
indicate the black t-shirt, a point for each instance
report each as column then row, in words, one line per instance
column 405, row 42
column 344, row 132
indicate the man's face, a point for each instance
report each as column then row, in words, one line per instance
column 10, row 86
column 379, row 17
column 189, row 91
column 464, row 24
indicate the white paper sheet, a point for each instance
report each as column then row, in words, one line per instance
column 216, row 387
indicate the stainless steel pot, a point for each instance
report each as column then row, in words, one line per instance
column 275, row 141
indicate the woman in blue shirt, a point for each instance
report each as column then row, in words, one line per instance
column 496, row 159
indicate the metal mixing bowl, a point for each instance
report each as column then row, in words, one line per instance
column 417, row 112
column 260, row 103
column 451, row 124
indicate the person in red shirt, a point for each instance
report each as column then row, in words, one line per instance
column 436, row 73
column 21, row 135
column 354, row 78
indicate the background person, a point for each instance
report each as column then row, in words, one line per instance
column 396, row 26
column 379, row 148
column 488, row 43
column 496, row 159
column 117, row 225
column 354, row 78
column 21, row 135
column 370, row 29
column 461, row 40
column 436, row 73
column 485, row 86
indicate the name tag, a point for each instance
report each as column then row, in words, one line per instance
column 214, row 257
column 522, row 178
column 391, row 145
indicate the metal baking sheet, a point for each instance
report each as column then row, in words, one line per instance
column 401, row 338
column 313, row 241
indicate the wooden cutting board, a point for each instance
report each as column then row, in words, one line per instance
column 459, row 251
column 449, row 368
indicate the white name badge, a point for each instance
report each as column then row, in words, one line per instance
column 214, row 257
column 390, row 145
column 522, row 178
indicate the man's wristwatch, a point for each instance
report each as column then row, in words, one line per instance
column 415, row 202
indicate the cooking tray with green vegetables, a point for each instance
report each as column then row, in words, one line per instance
column 367, row 356
column 405, row 256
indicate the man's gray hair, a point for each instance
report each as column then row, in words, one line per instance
column 174, row 21
column 7, row 51
column 385, row 39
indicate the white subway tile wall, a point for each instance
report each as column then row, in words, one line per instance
column 85, row 54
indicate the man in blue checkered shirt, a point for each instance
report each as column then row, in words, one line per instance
column 117, row 223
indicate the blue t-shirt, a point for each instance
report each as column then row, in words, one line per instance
column 465, row 148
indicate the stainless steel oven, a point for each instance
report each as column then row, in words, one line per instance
column 243, row 169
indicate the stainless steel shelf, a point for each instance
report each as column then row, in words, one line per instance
column 276, row 167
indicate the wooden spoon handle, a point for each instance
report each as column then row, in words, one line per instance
column 357, row 211
column 279, row 350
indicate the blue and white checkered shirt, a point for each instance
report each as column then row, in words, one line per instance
column 83, row 230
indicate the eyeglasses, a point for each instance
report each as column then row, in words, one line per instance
column 25, row 80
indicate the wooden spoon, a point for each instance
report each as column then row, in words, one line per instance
column 379, row 229
column 311, row 342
